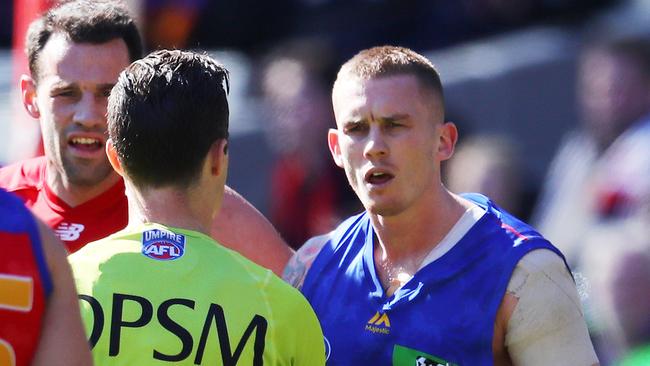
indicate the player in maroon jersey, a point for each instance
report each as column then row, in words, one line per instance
column 76, row 51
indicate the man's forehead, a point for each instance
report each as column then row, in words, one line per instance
column 390, row 95
column 360, row 90
column 353, row 84
column 348, row 94
column 63, row 58
column 348, row 85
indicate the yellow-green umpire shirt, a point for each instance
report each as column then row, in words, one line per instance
column 152, row 294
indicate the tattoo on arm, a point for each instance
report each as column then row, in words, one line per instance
column 295, row 271
column 298, row 266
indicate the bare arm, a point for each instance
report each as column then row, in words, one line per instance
column 63, row 341
column 241, row 227
column 540, row 321
column 299, row 264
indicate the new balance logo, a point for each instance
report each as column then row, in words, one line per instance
column 379, row 323
column 69, row 232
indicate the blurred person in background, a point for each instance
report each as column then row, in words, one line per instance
column 601, row 172
column 38, row 302
column 617, row 271
column 598, row 187
column 170, row 23
column 76, row 52
column 308, row 195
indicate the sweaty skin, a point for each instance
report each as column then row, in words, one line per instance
column 241, row 227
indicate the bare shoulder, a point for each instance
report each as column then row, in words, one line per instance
column 543, row 318
column 241, row 227
column 543, row 268
column 298, row 266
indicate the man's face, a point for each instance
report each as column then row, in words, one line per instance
column 388, row 140
column 612, row 92
column 72, row 91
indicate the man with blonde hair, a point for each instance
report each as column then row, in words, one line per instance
column 425, row 276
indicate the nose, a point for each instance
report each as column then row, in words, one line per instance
column 376, row 145
column 90, row 111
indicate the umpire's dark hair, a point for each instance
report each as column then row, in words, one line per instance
column 83, row 21
column 164, row 113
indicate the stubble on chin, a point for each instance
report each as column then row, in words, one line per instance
column 86, row 174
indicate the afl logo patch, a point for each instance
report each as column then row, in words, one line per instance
column 163, row 245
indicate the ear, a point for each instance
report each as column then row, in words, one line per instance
column 448, row 137
column 335, row 149
column 28, row 95
column 113, row 158
column 218, row 156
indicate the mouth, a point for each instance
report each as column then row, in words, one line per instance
column 378, row 177
column 86, row 144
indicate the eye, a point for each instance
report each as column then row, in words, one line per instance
column 395, row 125
column 354, row 127
column 65, row 93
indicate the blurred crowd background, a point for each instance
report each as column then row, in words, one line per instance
column 552, row 99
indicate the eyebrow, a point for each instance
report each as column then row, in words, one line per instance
column 63, row 85
column 354, row 122
column 387, row 119
column 394, row 118
column 106, row 86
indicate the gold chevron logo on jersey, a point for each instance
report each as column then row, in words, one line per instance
column 379, row 323
column 379, row 319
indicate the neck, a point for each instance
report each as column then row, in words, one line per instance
column 170, row 206
column 404, row 240
column 420, row 227
column 75, row 194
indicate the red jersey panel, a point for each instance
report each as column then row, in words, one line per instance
column 75, row 226
column 24, row 283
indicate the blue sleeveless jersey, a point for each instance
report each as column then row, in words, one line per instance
column 444, row 315
column 15, row 218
